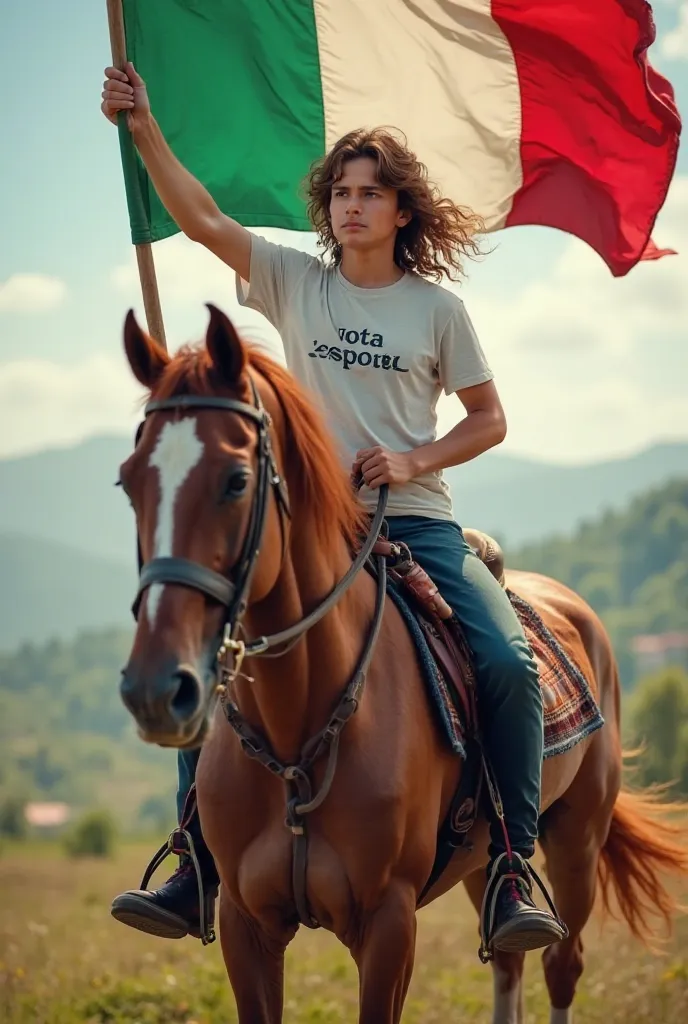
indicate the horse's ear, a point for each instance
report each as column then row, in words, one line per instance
column 225, row 347
column 146, row 358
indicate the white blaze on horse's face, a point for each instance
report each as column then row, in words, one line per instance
column 178, row 450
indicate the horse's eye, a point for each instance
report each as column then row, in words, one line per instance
column 237, row 482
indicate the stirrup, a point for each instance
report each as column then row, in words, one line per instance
column 505, row 868
column 180, row 842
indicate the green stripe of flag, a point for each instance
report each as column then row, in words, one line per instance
column 235, row 86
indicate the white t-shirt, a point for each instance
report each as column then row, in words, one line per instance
column 376, row 359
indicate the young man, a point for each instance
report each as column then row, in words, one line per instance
column 378, row 341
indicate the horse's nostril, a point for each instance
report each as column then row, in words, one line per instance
column 185, row 702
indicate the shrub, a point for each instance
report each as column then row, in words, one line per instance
column 12, row 820
column 92, row 836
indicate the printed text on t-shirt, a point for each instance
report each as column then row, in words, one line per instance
column 359, row 356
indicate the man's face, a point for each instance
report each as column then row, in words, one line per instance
column 364, row 214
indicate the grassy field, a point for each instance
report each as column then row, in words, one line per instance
column 64, row 960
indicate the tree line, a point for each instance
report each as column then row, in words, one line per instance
column 631, row 566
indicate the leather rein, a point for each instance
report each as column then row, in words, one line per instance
column 232, row 592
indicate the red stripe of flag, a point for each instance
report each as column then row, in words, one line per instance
column 600, row 127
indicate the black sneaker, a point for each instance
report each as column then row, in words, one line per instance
column 173, row 910
column 510, row 919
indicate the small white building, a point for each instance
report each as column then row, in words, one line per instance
column 50, row 815
column 655, row 651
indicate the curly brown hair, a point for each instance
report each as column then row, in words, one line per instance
column 439, row 235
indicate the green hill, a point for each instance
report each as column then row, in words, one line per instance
column 542, row 500
column 631, row 566
column 65, row 734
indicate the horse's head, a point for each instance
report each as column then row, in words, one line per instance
column 204, row 484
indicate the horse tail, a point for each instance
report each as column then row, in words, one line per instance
column 643, row 844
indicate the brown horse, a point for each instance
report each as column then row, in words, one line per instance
column 244, row 517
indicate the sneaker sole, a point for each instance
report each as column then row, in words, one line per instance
column 141, row 914
column 517, row 939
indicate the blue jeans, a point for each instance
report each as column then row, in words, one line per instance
column 506, row 674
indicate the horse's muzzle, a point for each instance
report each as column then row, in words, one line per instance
column 169, row 707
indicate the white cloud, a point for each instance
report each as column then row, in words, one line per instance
column 188, row 273
column 189, row 276
column 581, row 307
column 31, row 293
column 675, row 42
column 588, row 365
column 45, row 403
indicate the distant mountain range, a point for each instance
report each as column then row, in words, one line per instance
column 67, row 538
column 50, row 590
column 67, row 495
column 522, row 501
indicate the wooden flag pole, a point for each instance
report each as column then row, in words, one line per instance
column 144, row 251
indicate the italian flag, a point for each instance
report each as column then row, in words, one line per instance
column 529, row 111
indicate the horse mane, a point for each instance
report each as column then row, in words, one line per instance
column 317, row 482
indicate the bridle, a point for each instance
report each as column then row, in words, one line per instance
column 229, row 591
column 232, row 591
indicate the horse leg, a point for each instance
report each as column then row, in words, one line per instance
column 255, row 966
column 507, row 968
column 384, row 955
column 573, row 832
column 572, row 869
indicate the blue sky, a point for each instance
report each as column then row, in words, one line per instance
column 587, row 366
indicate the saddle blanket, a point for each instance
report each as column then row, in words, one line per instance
column 570, row 711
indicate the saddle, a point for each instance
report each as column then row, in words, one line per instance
column 488, row 551
column 442, row 631
column 454, row 663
